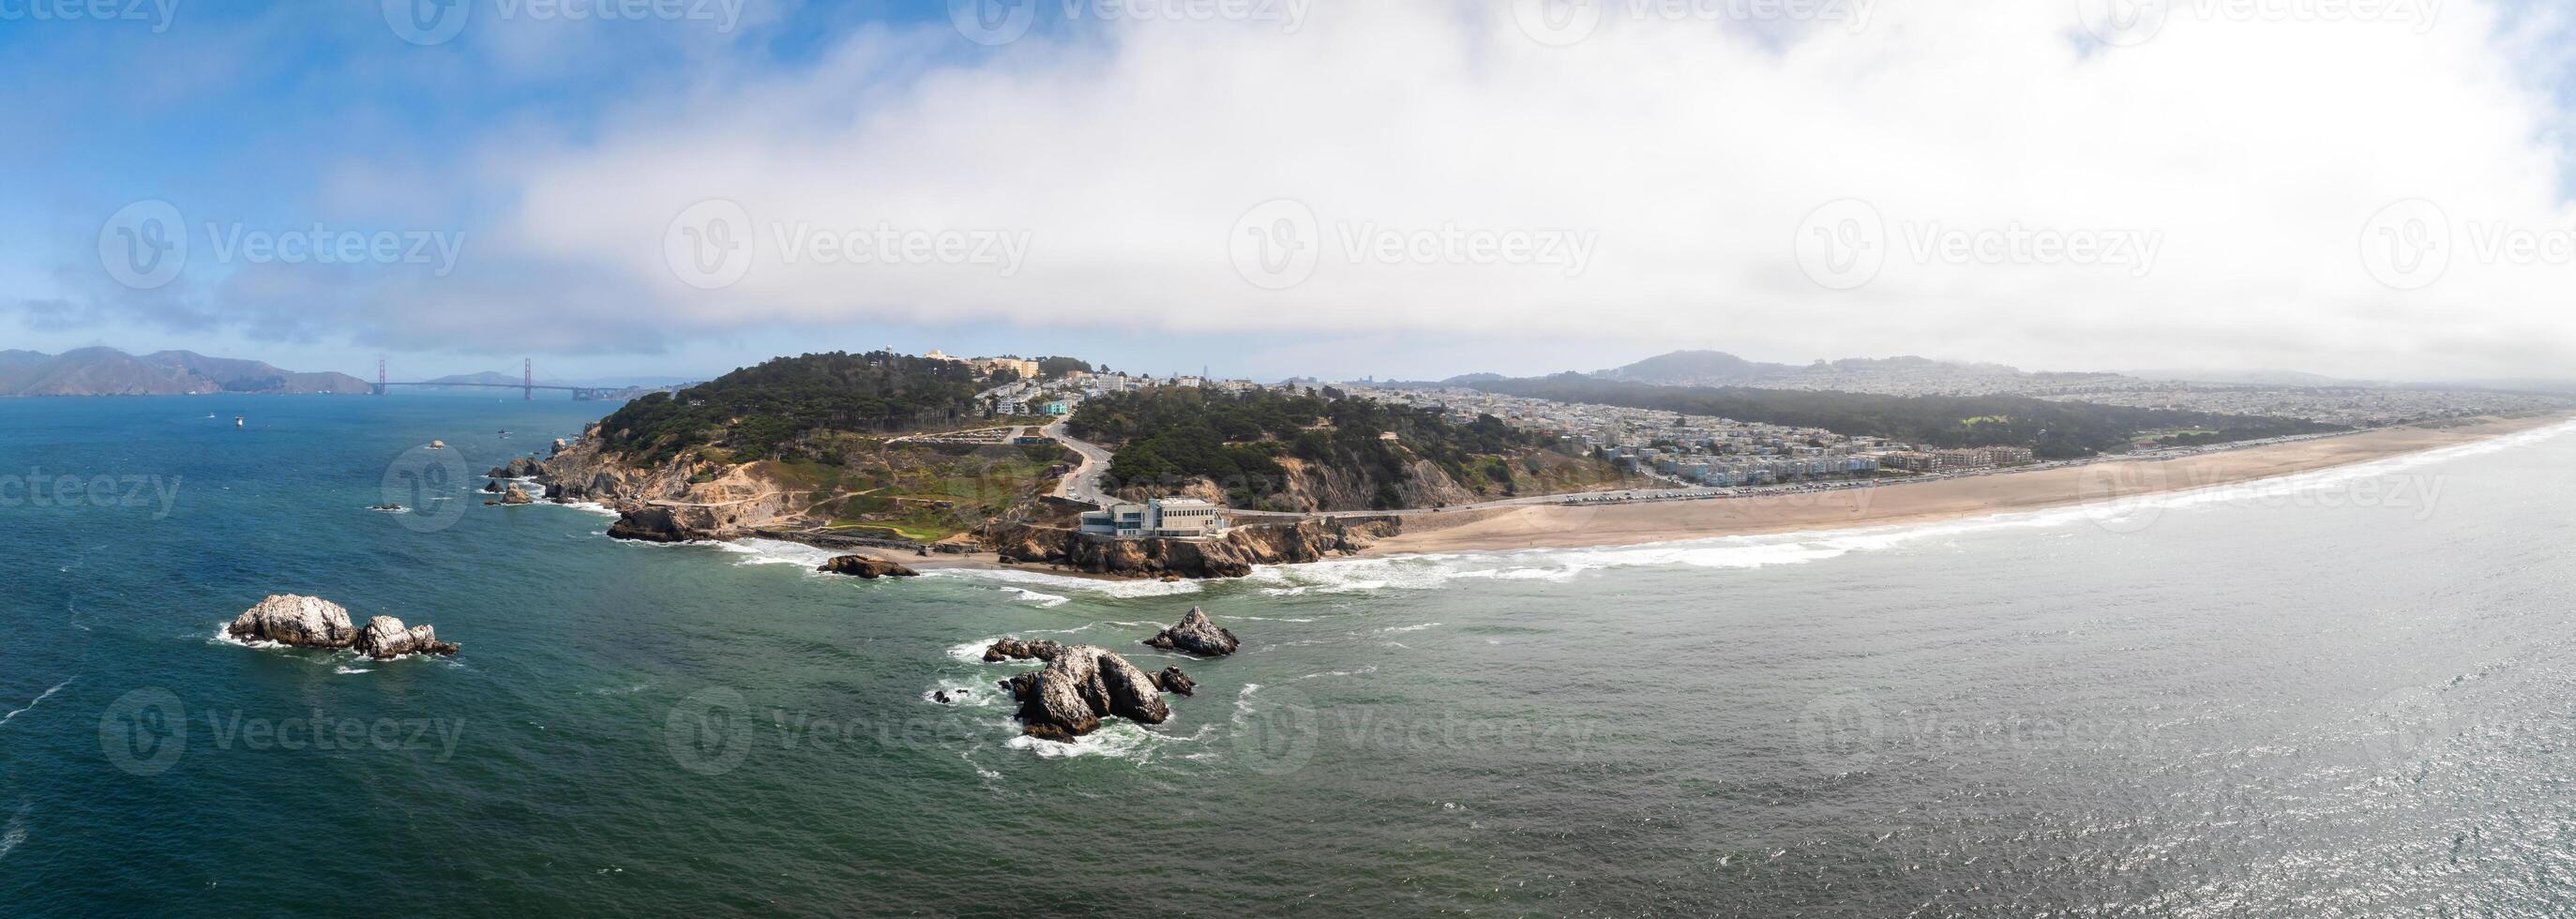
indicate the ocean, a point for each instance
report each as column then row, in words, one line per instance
column 2340, row 695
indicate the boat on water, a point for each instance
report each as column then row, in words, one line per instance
column 237, row 420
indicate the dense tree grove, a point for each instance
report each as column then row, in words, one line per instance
column 1172, row 434
column 2053, row 430
column 753, row 411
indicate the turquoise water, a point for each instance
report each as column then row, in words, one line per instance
column 2338, row 697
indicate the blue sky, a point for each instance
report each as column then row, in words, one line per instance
column 1132, row 145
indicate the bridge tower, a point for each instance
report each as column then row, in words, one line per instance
column 528, row 378
column 380, row 375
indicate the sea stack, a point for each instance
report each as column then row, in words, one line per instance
column 384, row 638
column 1196, row 635
column 1079, row 687
column 293, row 619
column 515, row 496
column 860, row 566
column 312, row 622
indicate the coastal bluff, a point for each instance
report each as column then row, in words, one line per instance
column 688, row 499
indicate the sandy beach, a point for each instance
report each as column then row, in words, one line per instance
column 1576, row 526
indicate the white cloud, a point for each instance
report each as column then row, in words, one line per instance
column 2256, row 153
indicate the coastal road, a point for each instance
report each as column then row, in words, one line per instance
column 1083, row 483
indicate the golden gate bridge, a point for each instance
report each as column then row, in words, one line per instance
column 527, row 385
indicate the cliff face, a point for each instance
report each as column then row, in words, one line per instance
column 1230, row 556
column 662, row 503
column 1330, row 488
column 1310, row 487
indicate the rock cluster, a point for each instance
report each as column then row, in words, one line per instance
column 384, row 638
column 518, row 468
column 1080, row 686
column 312, row 622
column 1017, row 649
column 1196, row 635
column 515, row 496
column 861, row 566
column 1172, row 680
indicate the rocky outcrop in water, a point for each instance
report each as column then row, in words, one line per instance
column 1080, row 686
column 515, row 496
column 294, row 619
column 312, row 622
column 648, row 524
column 1014, row 649
column 1172, row 680
column 861, row 566
column 1196, row 635
column 1228, row 556
column 384, row 638
column 518, row 468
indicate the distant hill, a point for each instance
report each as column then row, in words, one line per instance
column 109, row 372
column 1705, row 367
column 1718, row 368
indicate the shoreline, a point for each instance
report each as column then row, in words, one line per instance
column 1561, row 526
